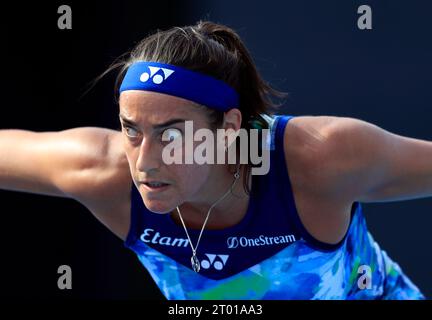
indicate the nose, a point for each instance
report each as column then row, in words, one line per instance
column 149, row 156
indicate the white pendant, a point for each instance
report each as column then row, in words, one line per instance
column 195, row 264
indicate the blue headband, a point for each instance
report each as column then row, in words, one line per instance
column 180, row 82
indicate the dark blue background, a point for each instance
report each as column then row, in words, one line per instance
column 311, row 49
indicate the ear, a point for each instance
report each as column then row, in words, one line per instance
column 232, row 124
column 233, row 119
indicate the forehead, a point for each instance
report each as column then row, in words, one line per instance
column 151, row 106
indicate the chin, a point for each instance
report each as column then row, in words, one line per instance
column 158, row 207
column 157, row 204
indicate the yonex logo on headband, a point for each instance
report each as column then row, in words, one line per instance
column 157, row 78
column 200, row 88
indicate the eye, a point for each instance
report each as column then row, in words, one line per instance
column 169, row 135
column 130, row 132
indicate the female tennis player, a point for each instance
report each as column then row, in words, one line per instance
column 216, row 230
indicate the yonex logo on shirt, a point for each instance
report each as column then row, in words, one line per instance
column 235, row 242
column 217, row 261
column 156, row 78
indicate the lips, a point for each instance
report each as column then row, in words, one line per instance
column 155, row 184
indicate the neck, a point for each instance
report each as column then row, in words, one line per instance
column 227, row 212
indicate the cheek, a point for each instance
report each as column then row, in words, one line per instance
column 131, row 158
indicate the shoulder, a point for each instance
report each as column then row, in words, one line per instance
column 323, row 143
column 310, row 146
column 97, row 156
column 306, row 140
column 105, row 184
column 310, row 156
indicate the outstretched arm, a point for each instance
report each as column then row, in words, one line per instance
column 51, row 163
column 369, row 164
column 86, row 164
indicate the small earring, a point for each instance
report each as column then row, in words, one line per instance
column 237, row 173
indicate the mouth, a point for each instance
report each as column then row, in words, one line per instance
column 155, row 185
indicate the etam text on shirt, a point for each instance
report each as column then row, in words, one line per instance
column 151, row 236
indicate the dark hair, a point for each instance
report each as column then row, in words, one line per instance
column 215, row 50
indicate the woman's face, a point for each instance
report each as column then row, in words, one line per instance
column 146, row 117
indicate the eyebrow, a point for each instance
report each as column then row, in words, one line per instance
column 155, row 126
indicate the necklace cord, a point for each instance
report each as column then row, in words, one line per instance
column 194, row 249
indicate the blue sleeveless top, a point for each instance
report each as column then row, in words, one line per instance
column 269, row 254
